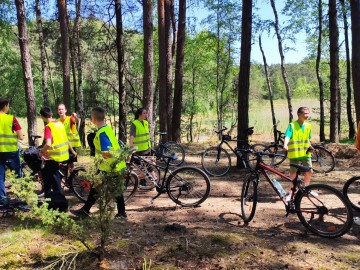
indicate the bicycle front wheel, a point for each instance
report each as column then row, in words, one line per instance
column 324, row 210
column 251, row 158
column 172, row 148
column 79, row 184
column 351, row 191
column 216, row 161
column 323, row 160
column 277, row 159
column 131, row 186
column 249, row 198
column 188, row 186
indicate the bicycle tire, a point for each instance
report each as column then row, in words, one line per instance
column 188, row 186
column 280, row 157
column 323, row 161
column 79, row 184
column 212, row 164
column 172, row 148
column 324, row 210
column 131, row 186
column 251, row 158
column 351, row 190
column 248, row 198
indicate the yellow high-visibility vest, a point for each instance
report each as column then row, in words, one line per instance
column 71, row 132
column 299, row 142
column 8, row 138
column 59, row 150
column 106, row 165
column 142, row 136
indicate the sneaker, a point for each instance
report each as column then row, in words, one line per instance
column 4, row 201
column 288, row 198
column 81, row 213
column 357, row 220
column 120, row 216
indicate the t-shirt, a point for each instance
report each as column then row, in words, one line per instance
column 289, row 131
column 47, row 132
column 105, row 143
column 16, row 126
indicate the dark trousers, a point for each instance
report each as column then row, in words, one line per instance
column 51, row 177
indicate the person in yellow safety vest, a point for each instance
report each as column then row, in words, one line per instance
column 55, row 151
column 10, row 133
column 70, row 123
column 297, row 143
column 104, row 141
column 140, row 139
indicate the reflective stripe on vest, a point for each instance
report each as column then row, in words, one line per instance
column 72, row 133
column 106, row 165
column 142, row 136
column 59, row 150
column 299, row 142
column 8, row 138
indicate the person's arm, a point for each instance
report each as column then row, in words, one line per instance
column 75, row 118
column 288, row 135
column 132, row 135
column 44, row 151
column 72, row 149
column 17, row 129
column 105, row 145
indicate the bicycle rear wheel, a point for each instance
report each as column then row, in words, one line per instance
column 276, row 160
column 172, row 148
column 324, row 210
column 323, row 160
column 188, row 186
column 351, row 191
column 131, row 185
column 216, row 161
column 249, row 198
column 79, row 184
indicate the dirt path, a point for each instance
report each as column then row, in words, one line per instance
column 213, row 236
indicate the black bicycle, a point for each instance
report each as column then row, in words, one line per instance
column 162, row 149
column 186, row 186
column 322, row 209
column 351, row 190
column 216, row 161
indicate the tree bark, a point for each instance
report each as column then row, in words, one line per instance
column 268, row 83
column 179, row 72
column 162, row 68
column 282, row 62
column 65, row 53
column 121, row 64
column 169, row 64
column 148, row 79
column 27, row 73
column 334, row 72
column 44, row 70
column 244, row 73
column 355, row 34
column 318, row 73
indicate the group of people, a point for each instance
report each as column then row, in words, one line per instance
column 61, row 139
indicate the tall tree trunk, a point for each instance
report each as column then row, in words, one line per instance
column 162, row 68
column 218, row 95
column 244, row 73
column 121, row 64
column 44, row 70
column 348, row 72
column 282, row 62
column 79, row 101
column 179, row 72
column 355, row 34
column 334, row 72
column 169, row 63
column 148, row 80
column 65, row 57
column 318, row 73
column 27, row 73
column 268, row 83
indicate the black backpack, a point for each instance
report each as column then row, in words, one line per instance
column 90, row 139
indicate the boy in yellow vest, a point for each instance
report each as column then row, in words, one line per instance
column 10, row 133
column 297, row 143
column 55, row 151
column 104, row 140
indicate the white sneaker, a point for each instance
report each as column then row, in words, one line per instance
column 357, row 220
column 288, row 198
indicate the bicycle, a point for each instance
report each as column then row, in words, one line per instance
column 169, row 148
column 351, row 190
column 73, row 179
column 323, row 161
column 186, row 186
column 322, row 209
column 216, row 161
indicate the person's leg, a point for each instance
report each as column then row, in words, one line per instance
column 56, row 178
column 47, row 176
column 2, row 176
column 15, row 163
column 90, row 200
column 120, row 202
column 308, row 174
